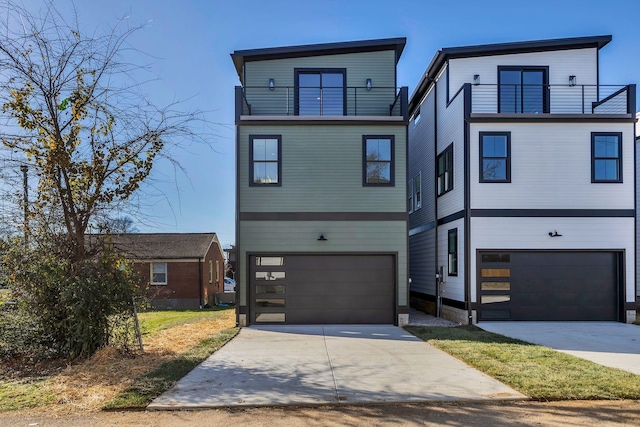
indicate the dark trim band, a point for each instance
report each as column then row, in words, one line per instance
column 323, row 216
column 540, row 118
column 421, row 229
column 554, row 213
column 451, row 218
column 446, row 301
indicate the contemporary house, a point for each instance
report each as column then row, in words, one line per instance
column 522, row 185
column 182, row 270
column 321, row 170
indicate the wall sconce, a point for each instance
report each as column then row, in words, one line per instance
column 476, row 79
column 272, row 84
column 322, row 238
column 369, row 84
column 554, row 233
column 572, row 80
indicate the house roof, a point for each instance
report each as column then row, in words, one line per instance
column 239, row 57
column 443, row 55
column 165, row 245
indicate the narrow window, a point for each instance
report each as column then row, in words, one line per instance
column 210, row 271
column 266, row 165
column 217, row 271
column 410, row 196
column 416, row 117
column 452, row 249
column 445, row 171
column 417, row 192
column 606, row 157
column 378, row 167
column 158, row 273
column 495, row 157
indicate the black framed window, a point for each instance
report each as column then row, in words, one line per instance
column 452, row 250
column 523, row 90
column 378, row 165
column 417, row 192
column 265, row 152
column 445, row 171
column 410, row 196
column 495, row 157
column 606, row 157
column 320, row 92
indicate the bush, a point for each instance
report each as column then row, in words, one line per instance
column 71, row 306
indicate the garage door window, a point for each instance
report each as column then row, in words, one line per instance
column 269, row 260
column 270, row 275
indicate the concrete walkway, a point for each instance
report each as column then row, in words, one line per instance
column 608, row 343
column 318, row 365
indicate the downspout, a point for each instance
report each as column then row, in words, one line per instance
column 467, row 202
column 435, row 192
column 200, row 281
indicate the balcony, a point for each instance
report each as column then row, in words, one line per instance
column 553, row 99
column 318, row 102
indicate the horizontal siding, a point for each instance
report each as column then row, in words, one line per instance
column 637, row 221
column 577, row 233
column 551, row 168
column 342, row 237
column 322, row 171
column 454, row 286
column 422, row 256
column 377, row 66
column 451, row 130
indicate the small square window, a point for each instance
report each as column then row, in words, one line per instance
column 606, row 157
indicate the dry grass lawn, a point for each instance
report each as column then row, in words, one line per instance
column 88, row 385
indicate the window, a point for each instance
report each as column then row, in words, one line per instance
column 410, row 196
column 378, row 168
column 417, row 192
column 445, row 171
column 523, row 90
column 210, row 271
column 265, row 154
column 452, row 250
column 320, row 92
column 158, row 273
column 416, row 117
column 606, row 157
column 495, row 157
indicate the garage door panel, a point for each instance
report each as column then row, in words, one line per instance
column 553, row 285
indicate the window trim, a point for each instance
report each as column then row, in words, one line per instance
column 443, row 154
column 298, row 71
column 166, row 273
column 507, row 158
column 452, row 251
column 252, row 183
column 618, row 180
column 410, row 196
column 545, row 93
column 392, row 169
column 417, row 204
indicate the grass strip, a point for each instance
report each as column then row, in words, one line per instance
column 153, row 384
column 539, row 372
column 156, row 321
column 24, row 394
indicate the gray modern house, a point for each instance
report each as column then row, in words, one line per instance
column 522, row 185
column 321, row 140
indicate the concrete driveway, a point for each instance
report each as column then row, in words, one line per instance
column 608, row 343
column 318, row 365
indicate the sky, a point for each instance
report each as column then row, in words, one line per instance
column 188, row 42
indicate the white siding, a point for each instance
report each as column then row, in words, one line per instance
column 577, row 233
column 451, row 130
column 551, row 168
column 342, row 237
column 454, row 286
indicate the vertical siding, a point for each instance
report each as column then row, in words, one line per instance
column 451, row 130
column 322, row 171
column 551, row 168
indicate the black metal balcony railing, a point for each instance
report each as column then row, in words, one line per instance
column 322, row 101
column 552, row 99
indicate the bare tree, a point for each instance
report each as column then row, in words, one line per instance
column 74, row 109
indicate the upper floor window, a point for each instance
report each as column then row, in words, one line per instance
column 523, row 90
column 414, row 193
column 416, row 117
column 265, row 155
column 495, row 157
column 158, row 273
column 320, row 92
column 606, row 157
column 445, row 171
column 378, row 165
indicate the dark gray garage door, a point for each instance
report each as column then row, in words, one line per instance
column 326, row 289
column 548, row 285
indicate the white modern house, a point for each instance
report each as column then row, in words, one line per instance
column 522, row 185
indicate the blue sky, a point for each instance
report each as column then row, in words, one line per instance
column 189, row 42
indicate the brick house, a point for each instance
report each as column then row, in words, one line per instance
column 182, row 270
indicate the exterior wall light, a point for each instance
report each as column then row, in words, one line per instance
column 272, row 84
column 369, row 84
column 322, row 238
column 476, row 79
column 554, row 233
column 572, row 80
